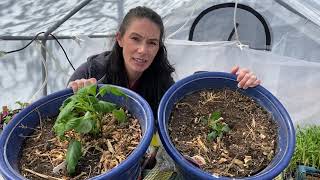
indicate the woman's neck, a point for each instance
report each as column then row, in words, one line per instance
column 133, row 78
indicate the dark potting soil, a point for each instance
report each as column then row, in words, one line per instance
column 245, row 150
column 42, row 150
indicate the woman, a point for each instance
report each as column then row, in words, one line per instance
column 139, row 61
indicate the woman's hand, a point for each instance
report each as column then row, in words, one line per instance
column 80, row 83
column 245, row 77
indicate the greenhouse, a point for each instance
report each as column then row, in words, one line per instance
column 43, row 42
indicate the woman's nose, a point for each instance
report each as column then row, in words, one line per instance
column 142, row 48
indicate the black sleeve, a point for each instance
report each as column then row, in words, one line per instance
column 94, row 67
column 81, row 72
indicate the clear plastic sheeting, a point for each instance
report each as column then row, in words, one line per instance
column 27, row 18
column 292, row 34
column 21, row 72
column 295, row 83
column 294, row 24
column 310, row 9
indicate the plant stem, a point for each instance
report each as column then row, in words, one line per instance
column 41, row 175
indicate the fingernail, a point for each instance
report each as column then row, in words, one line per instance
column 239, row 86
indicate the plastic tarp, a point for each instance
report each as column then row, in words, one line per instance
column 27, row 18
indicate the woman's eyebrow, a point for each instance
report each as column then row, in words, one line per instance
column 136, row 34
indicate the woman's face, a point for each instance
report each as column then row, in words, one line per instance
column 140, row 45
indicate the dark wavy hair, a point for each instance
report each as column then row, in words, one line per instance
column 156, row 79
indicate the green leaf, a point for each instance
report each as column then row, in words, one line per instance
column 86, row 124
column 225, row 128
column 213, row 125
column 65, row 102
column 120, row 115
column 93, row 99
column 59, row 129
column 96, row 126
column 66, row 111
column 117, row 92
column 88, row 90
column 103, row 90
column 7, row 119
column 212, row 136
column 60, row 124
column 215, row 116
column 72, row 123
column 21, row 104
column 219, row 127
column 92, row 89
column 74, row 153
column 104, row 107
column 110, row 89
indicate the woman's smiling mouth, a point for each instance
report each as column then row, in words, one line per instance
column 139, row 60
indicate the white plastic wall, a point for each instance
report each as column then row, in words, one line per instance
column 21, row 74
column 295, row 83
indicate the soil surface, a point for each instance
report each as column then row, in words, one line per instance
column 43, row 151
column 245, row 150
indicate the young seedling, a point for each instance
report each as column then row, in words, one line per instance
column 82, row 114
column 217, row 127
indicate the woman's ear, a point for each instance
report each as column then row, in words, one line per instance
column 119, row 39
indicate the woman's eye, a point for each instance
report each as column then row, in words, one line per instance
column 153, row 43
column 135, row 38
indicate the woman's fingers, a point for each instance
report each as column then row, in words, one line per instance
column 241, row 73
column 80, row 83
column 90, row 81
column 234, row 69
column 245, row 77
column 255, row 83
column 73, row 85
column 251, row 81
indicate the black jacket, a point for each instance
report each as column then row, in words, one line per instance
column 149, row 88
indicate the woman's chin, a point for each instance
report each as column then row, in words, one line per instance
column 140, row 69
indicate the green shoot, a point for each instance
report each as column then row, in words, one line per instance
column 120, row 115
column 82, row 114
column 217, row 127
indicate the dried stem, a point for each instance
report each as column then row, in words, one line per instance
column 41, row 175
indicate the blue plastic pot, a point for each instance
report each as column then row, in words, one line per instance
column 12, row 137
column 219, row 80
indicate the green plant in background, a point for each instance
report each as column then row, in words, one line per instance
column 217, row 127
column 82, row 114
column 7, row 114
column 307, row 151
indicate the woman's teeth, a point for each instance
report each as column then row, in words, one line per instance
column 139, row 60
